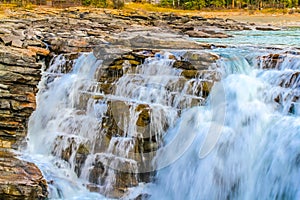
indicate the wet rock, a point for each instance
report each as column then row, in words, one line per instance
column 201, row 60
column 20, row 179
column 289, row 80
column 202, row 34
column 271, row 61
column 197, row 34
column 144, row 115
column 142, row 197
column 267, row 28
column 71, row 149
column 104, row 165
column 183, row 65
column 109, row 53
column 190, row 73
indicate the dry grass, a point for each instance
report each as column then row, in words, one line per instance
column 5, row 8
column 146, row 7
column 279, row 17
column 265, row 16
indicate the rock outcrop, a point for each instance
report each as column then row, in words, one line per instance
column 19, row 76
column 20, row 179
column 20, row 73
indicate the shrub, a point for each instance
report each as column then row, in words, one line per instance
column 118, row 4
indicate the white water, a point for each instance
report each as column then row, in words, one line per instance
column 69, row 118
column 57, row 116
column 285, row 38
column 257, row 153
column 240, row 145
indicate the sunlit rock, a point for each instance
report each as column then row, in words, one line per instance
column 20, row 179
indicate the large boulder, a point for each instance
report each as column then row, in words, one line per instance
column 20, row 179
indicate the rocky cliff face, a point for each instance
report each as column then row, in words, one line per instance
column 30, row 39
column 20, row 72
column 19, row 76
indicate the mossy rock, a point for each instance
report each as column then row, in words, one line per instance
column 183, row 65
column 144, row 116
column 83, row 149
column 190, row 73
column 128, row 57
column 134, row 62
column 116, row 67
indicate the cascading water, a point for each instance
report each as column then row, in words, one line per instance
column 256, row 155
column 241, row 143
column 57, row 129
column 82, row 138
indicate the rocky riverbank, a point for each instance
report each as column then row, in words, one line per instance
column 29, row 39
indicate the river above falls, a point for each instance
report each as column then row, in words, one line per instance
column 285, row 38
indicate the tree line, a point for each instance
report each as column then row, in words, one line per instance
column 182, row 4
column 250, row 4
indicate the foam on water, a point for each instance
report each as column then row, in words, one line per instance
column 256, row 155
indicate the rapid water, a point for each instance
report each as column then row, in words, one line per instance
column 242, row 142
column 286, row 38
column 256, row 155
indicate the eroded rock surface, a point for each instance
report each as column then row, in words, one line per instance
column 20, row 179
column 19, row 76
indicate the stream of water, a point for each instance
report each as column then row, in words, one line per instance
column 287, row 38
column 257, row 153
column 243, row 142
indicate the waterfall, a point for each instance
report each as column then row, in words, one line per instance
column 256, row 153
column 152, row 128
column 59, row 129
column 100, row 141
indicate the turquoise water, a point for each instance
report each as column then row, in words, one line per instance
column 288, row 38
